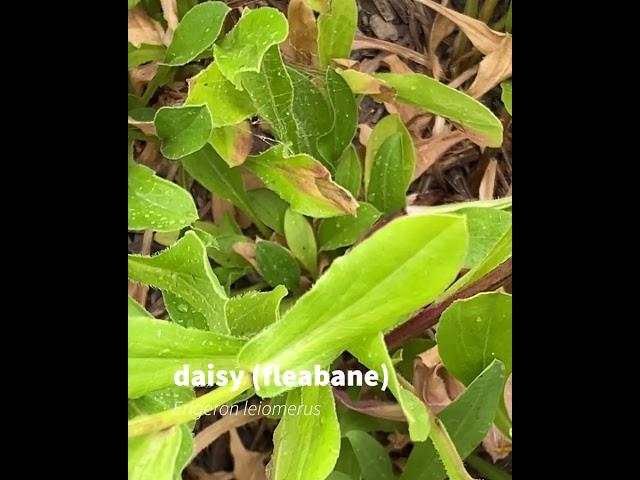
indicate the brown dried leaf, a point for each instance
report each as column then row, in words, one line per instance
column 246, row 250
column 148, row 128
column 345, row 62
column 494, row 68
column 482, row 37
column 219, row 207
column 397, row 441
column 441, row 29
column 508, row 396
column 364, row 132
column 429, row 151
column 303, row 33
column 170, row 14
column 141, row 76
column 363, row 43
column 143, row 29
column 433, row 383
column 247, row 465
column 197, row 473
column 214, row 431
column 488, row 183
column 150, row 155
column 496, row 444
column 373, row 408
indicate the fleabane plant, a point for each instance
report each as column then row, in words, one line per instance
column 333, row 279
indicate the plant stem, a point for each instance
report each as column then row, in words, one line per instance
column 486, row 469
column 486, row 12
column 450, row 457
column 461, row 41
column 187, row 411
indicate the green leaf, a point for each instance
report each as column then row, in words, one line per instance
column 133, row 3
column 307, row 442
column 277, row 265
column 467, row 421
column 349, row 171
column 137, row 310
column 182, row 130
column 475, row 331
column 400, row 268
column 156, row 203
column 271, row 91
column 375, row 463
column 347, row 464
column 373, row 353
column 224, row 254
column 498, row 255
column 486, row 227
column 144, row 54
column 410, row 350
column 232, row 142
column 227, row 105
column 149, row 455
column 344, row 115
column 183, row 313
column 387, row 183
column 242, row 48
column 312, row 113
column 249, row 313
column 477, row 120
column 301, row 240
column 338, row 476
column 506, row 95
column 337, row 232
column 352, row 420
column 269, row 208
column 197, row 30
column 303, row 182
column 213, row 173
column 336, row 31
column 385, row 128
column 157, row 349
column 184, row 270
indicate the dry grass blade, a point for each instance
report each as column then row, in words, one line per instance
column 303, row 33
column 494, row 68
column 483, row 38
column 247, row 465
column 441, row 29
column 170, row 14
column 433, row 384
column 361, row 43
column 429, row 151
column 209, row 435
column 143, row 29
column 488, row 183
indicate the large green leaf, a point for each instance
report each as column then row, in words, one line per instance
column 227, row 105
column 157, row 349
column 467, row 421
column 271, row 91
column 374, row 461
column 137, row 310
column 336, row 31
column 242, row 49
column 183, row 313
column 249, row 313
column 156, row 203
column 307, row 439
column 184, row 269
column 349, row 171
column 400, row 268
column 486, row 227
column 269, row 207
column 387, row 127
column 373, row 353
column 339, row 232
column 197, row 30
column 303, row 182
column 436, row 97
column 475, row 331
column 212, row 172
column 182, row 130
column 301, row 240
column 344, row 114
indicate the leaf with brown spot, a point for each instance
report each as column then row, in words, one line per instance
column 303, row 182
column 494, row 68
column 429, row 151
column 233, row 142
column 303, row 33
column 247, row 465
column 364, row 84
column 437, row 387
column 143, row 29
column 483, row 38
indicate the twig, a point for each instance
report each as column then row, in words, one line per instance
column 429, row 316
